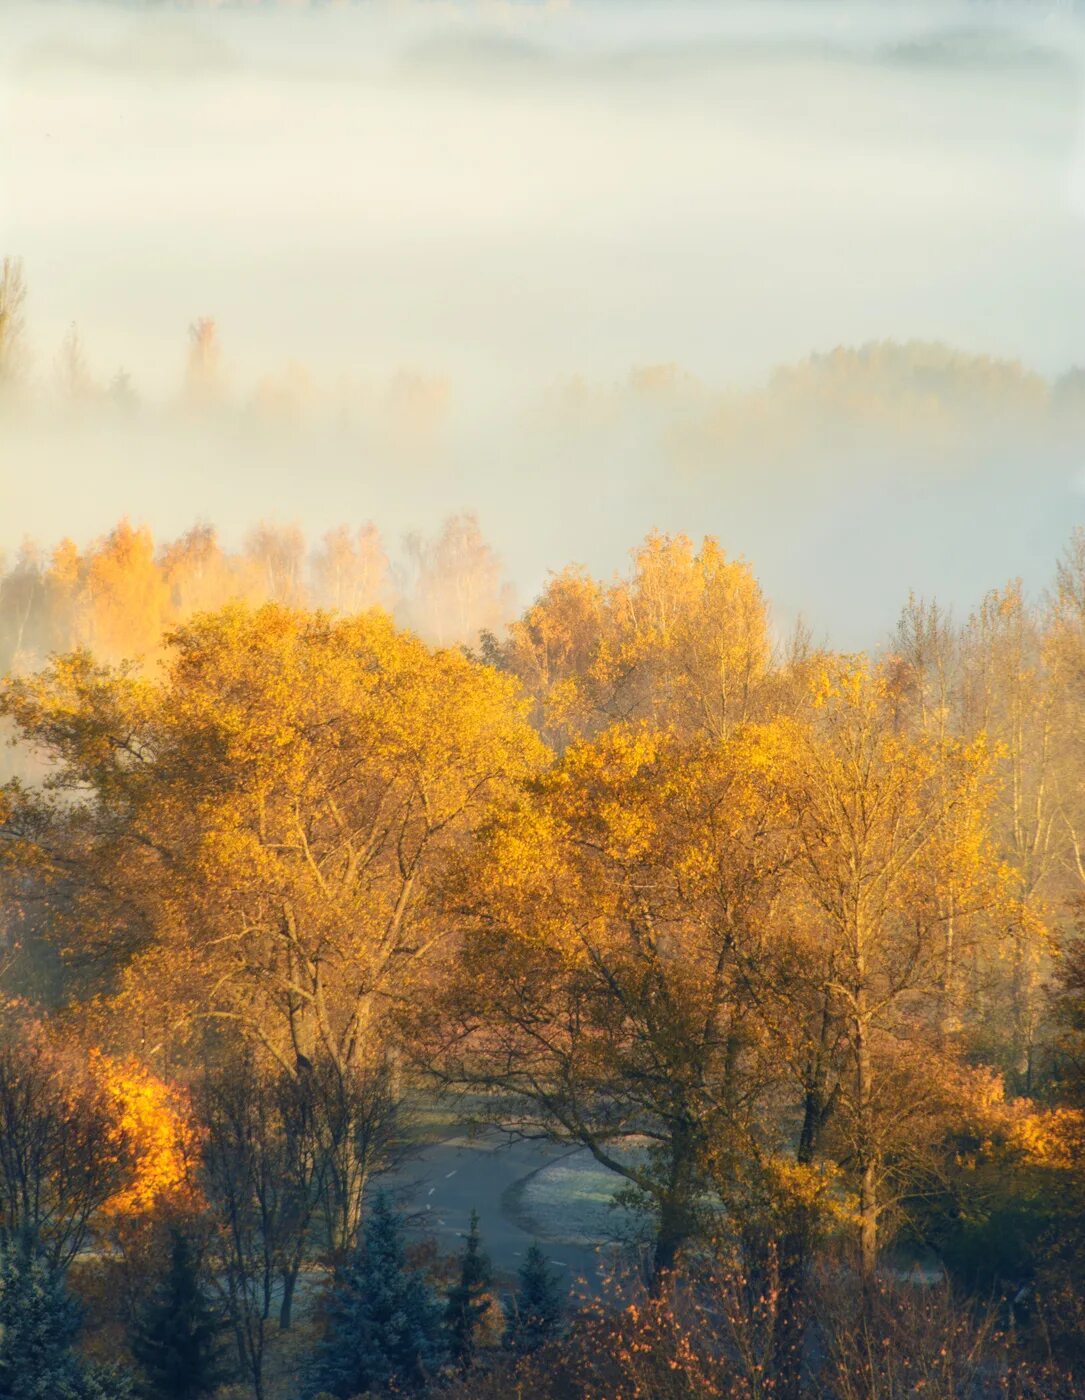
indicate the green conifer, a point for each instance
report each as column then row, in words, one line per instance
column 468, row 1299
column 176, row 1338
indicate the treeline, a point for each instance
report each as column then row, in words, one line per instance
column 828, row 410
column 786, row 939
column 119, row 596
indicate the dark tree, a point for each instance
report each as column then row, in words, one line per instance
column 56, row 1171
column 39, row 1322
column 176, row 1337
column 535, row 1314
column 468, row 1300
column 383, row 1324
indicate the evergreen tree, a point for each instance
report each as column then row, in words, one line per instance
column 107, row 1383
column 384, row 1327
column 39, row 1322
column 535, row 1314
column 468, row 1300
column 176, row 1337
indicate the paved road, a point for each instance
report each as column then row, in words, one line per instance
column 440, row 1185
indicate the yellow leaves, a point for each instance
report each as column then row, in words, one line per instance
column 153, row 1124
column 814, row 1187
column 844, row 679
column 1049, row 1137
column 617, row 757
column 984, row 1093
column 683, row 641
column 281, row 807
column 636, row 840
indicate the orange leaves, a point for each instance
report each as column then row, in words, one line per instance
column 1011, row 1128
column 152, row 1124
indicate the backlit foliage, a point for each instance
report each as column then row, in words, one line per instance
column 153, row 1122
column 683, row 641
column 767, row 934
column 268, row 823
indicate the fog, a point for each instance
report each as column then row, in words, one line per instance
column 544, row 262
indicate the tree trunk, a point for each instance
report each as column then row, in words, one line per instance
column 789, row 1340
column 286, row 1308
column 674, row 1207
column 949, row 1021
column 864, row 1126
column 669, row 1240
column 868, row 1223
column 1024, row 997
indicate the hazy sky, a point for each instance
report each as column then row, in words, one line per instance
column 499, row 197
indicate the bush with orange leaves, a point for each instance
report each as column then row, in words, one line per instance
column 703, row 1335
column 708, row 1339
column 151, row 1123
column 154, row 1120
column 1004, row 1188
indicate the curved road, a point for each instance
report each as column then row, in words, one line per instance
column 440, row 1185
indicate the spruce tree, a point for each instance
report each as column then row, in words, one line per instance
column 535, row 1314
column 176, row 1337
column 39, row 1322
column 468, row 1300
column 383, row 1323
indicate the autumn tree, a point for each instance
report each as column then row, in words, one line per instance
column 459, row 589
column 888, row 827
column 1064, row 674
column 924, row 667
column 201, row 576
column 62, row 1156
column 598, row 984
column 24, row 610
column 265, row 826
column 1006, row 695
column 152, row 1123
column 122, row 598
column 351, row 570
column 257, row 842
column 275, row 554
column 553, row 645
column 683, row 640
column 12, row 321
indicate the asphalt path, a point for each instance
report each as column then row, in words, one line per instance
column 438, row 1187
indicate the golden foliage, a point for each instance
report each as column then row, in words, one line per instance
column 682, row 641
column 263, row 831
column 153, row 1121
